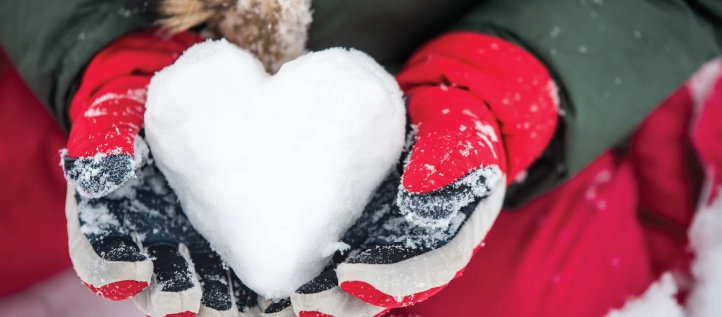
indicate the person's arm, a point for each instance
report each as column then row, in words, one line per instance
column 507, row 67
column 50, row 42
column 482, row 110
column 613, row 61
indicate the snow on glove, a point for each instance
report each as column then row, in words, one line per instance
column 136, row 241
column 107, row 110
column 128, row 234
column 483, row 110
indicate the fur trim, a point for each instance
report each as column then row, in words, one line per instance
column 181, row 15
column 275, row 31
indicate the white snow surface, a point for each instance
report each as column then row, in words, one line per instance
column 272, row 170
column 705, row 236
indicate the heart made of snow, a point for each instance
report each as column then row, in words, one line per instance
column 272, row 170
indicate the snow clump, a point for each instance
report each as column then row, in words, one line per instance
column 272, row 170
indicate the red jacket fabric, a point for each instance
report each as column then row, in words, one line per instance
column 33, row 238
column 582, row 241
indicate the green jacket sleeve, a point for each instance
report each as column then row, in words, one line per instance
column 613, row 62
column 51, row 41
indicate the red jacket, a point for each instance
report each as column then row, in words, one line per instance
column 33, row 238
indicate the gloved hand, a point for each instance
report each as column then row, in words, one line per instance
column 128, row 234
column 482, row 110
column 136, row 242
column 450, row 192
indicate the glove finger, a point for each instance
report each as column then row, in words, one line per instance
column 456, row 159
column 322, row 297
column 437, row 208
column 279, row 308
column 406, row 264
column 217, row 300
column 174, row 290
column 104, row 255
column 246, row 300
column 96, row 177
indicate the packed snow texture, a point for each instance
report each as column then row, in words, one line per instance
column 705, row 236
column 273, row 170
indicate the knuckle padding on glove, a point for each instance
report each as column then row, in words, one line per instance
column 323, row 297
column 171, row 269
column 213, row 278
column 97, row 272
column 175, row 288
column 323, row 282
column 437, row 208
column 280, row 308
column 119, row 249
column 400, row 276
column 246, row 299
column 96, row 177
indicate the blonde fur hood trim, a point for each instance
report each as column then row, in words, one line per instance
column 275, row 31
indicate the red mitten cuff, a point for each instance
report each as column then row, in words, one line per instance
column 487, row 85
column 107, row 110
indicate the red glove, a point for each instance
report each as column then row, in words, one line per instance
column 483, row 110
column 107, row 111
column 482, row 107
column 136, row 242
column 475, row 100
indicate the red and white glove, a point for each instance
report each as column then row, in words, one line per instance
column 483, row 110
column 128, row 235
column 107, row 110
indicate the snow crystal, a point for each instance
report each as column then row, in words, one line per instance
column 273, row 170
column 521, row 176
column 95, row 218
column 487, row 134
column 706, row 241
column 555, row 31
column 553, row 91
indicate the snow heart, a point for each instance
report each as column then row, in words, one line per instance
column 273, row 169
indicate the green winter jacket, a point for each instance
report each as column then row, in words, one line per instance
column 613, row 60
